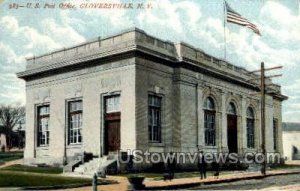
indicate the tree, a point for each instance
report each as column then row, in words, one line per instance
column 10, row 116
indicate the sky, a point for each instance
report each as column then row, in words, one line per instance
column 25, row 32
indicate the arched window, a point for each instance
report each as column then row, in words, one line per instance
column 231, row 109
column 209, row 104
column 250, row 128
column 210, row 122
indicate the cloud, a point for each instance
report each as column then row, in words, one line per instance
column 25, row 36
column 96, row 22
column 291, row 117
column 60, row 32
column 284, row 26
column 12, row 89
column 171, row 16
column 9, row 61
column 292, row 106
column 22, row 41
column 293, row 86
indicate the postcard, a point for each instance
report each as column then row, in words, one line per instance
column 149, row 94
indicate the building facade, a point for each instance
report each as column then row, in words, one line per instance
column 291, row 143
column 134, row 91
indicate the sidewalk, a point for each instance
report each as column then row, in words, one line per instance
column 185, row 182
column 9, row 163
column 195, row 181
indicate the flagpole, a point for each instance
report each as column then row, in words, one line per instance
column 225, row 16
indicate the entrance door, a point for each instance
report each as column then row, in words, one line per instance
column 232, row 133
column 112, row 132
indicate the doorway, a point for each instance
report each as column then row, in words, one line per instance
column 112, row 132
column 232, row 133
column 112, row 124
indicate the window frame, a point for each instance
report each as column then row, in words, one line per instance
column 106, row 101
column 78, row 129
column 231, row 109
column 152, row 108
column 210, row 130
column 39, row 131
column 250, row 125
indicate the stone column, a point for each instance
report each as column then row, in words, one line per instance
column 269, row 124
column 243, row 127
column 240, row 133
column 279, row 132
column 200, row 117
column 219, row 131
column 224, row 123
column 258, row 138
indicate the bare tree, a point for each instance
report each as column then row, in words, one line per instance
column 10, row 116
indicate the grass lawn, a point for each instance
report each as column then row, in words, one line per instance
column 23, row 168
column 21, row 179
column 9, row 156
column 17, row 179
column 41, row 178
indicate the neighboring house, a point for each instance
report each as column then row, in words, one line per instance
column 18, row 137
column 291, row 142
column 134, row 91
column 2, row 142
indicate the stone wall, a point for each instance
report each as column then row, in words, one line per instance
column 184, row 92
column 90, row 86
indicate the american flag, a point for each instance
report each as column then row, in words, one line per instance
column 236, row 18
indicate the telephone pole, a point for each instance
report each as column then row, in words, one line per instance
column 263, row 118
column 263, row 107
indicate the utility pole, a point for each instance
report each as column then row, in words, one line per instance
column 263, row 107
column 263, row 117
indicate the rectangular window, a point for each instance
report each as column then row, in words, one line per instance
column 209, row 125
column 112, row 104
column 43, row 125
column 250, row 133
column 154, row 117
column 275, row 128
column 75, row 122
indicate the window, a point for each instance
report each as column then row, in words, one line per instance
column 231, row 109
column 250, row 128
column 154, row 115
column 43, row 125
column 75, row 122
column 275, row 127
column 112, row 104
column 209, row 122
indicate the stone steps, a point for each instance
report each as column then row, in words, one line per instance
column 97, row 165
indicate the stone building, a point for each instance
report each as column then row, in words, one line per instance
column 290, row 139
column 134, row 91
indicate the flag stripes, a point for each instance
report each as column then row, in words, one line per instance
column 235, row 18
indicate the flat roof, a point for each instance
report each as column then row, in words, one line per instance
column 135, row 39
